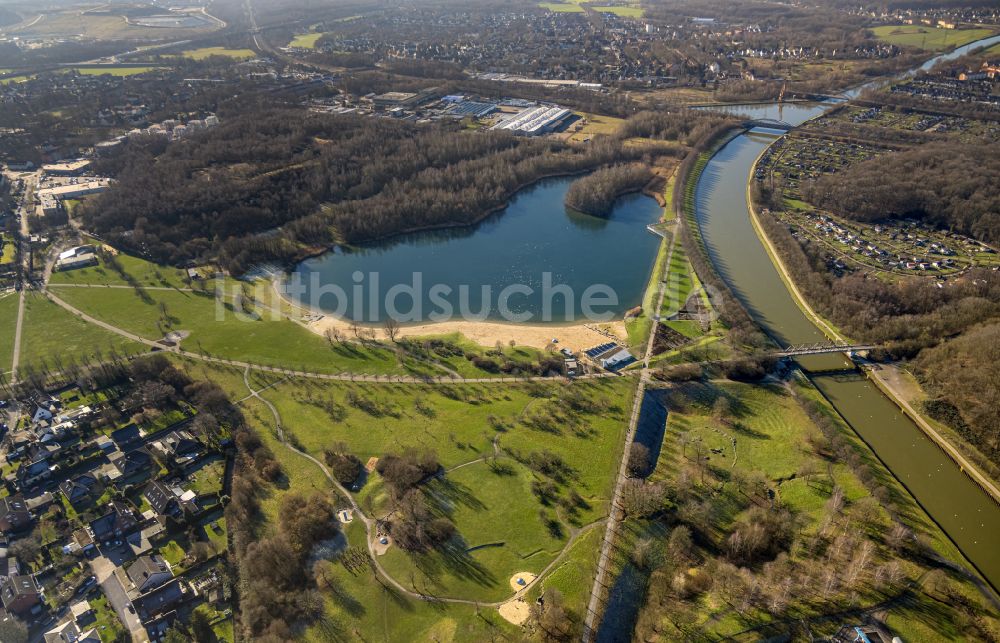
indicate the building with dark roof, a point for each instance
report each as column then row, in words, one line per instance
column 19, row 593
column 117, row 522
column 149, row 572
column 161, row 499
column 133, row 463
column 159, row 601
column 14, row 515
column 127, row 438
column 78, row 491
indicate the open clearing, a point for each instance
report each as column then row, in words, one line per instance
column 205, row 52
column 622, row 11
column 561, row 7
column 305, row 40
column 504, row 528
column 112, row 71
column 50, row 333
column 929, row 38
column 8, row 321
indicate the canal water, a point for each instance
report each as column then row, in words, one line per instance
column 965, row 512
column 534, row 235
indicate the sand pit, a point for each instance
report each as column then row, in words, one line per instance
column 521, row 580
column 516, row 611
column 382, row 545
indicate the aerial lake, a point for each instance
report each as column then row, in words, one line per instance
column 534, row 242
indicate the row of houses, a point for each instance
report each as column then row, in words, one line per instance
column 130, row 493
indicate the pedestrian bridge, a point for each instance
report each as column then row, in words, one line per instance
column 769, row 123
column 823, row 348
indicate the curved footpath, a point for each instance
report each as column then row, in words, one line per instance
column 883, row 384
column 343, row 377
column 371, row 524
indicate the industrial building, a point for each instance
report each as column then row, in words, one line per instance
column 66, row 168
column 74, row 190
column 537, row 121
column 390, row 100
column 472, row 108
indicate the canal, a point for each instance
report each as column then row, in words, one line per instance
column 962, row 509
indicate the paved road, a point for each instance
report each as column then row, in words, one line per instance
column 29, row 187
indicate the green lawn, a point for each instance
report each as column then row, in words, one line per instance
column 51, row 333
column 146, row 273
column 624, row 12
column 9, row 252
column 8, row 323
column 305, row 40
column 215, row 328
column 205, row 52
column 929, row 38
column 561, row 7
column 459, row 422
column 208, row 479
column 113, row 71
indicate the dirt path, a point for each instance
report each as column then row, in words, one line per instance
column 370, row 524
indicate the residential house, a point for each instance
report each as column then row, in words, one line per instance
column 70, row 632
column 149, row 572
column 132, row 463
column 162, row 499
column 179, row 445
column 127, row 438
column 19, row 593
column 159, row 601
column 14, row 515
column 117, row 522
column 79, row 490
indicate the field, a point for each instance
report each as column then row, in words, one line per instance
column 113, row 71
column 490, row 500
column 100, row 27
column 8, row 320
column 561, row 7
column 205, row 52
column 928, row 38
column 305, row 40
column 594, row 124
column 51, row 333
column 624, row 12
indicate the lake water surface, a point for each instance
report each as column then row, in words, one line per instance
column 534, row 236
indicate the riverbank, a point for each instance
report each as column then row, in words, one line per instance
column 883, row 383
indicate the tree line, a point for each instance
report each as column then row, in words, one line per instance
column 950, row 186
column 597, row 192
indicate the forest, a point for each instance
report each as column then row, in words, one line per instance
column 956, row 187
column 270, row 185
column 596, row 192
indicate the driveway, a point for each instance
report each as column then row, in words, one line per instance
column 104, row 570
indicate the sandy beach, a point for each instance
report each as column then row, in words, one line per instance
column 575, row 336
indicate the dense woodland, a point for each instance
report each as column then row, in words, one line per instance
column 264, row 186
column 596, row 193
column 956, row 187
